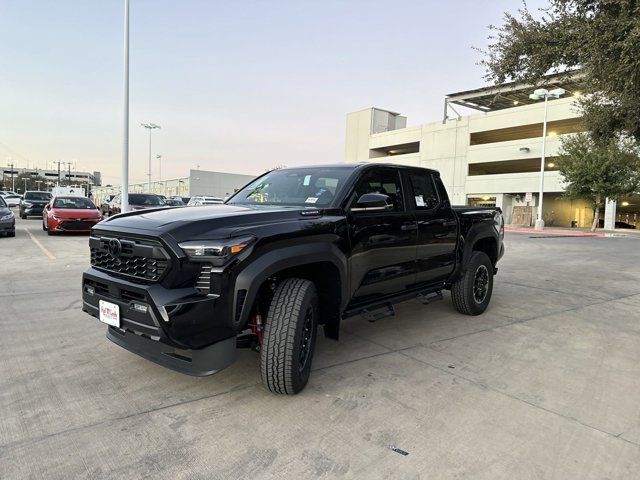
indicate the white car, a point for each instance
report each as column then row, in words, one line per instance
column 5, row 193
column 202, row 200
column 12, row 200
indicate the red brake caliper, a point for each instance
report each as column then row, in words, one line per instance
column 257, row 328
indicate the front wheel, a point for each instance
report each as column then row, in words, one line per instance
column 289, row 337
column 471, row 293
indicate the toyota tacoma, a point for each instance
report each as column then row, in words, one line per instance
column 295, row 249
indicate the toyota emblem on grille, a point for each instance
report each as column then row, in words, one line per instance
column 114, row 247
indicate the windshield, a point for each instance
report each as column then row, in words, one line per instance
column 309, row 187
column 37, row 196
column 73, row 202
column 139, row 199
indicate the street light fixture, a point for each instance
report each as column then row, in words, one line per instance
column 539, row 94
column 150, row 127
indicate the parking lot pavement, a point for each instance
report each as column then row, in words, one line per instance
column 544, row 385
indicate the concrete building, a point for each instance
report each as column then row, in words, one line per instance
column 77, row 177
column 198, row 182
column 490, row 158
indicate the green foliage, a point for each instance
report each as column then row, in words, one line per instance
column 32, row 182
column 601, row 38
column 596, row 170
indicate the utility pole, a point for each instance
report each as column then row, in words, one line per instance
column 150, row 127
column 13, row 183
column 38, row 182
column 58, row 174
column 25, row 184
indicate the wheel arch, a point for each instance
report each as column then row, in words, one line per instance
column 324, row 264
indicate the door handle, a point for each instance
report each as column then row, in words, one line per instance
column 407, row 227
column 449, row 223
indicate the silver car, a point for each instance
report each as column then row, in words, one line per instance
column 7, row 220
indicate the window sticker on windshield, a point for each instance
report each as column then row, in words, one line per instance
column 307, row 180
column 419, row 201
column 311, row 200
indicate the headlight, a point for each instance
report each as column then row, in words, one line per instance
column 217, row 251
column 27, row 204
column 55, row 217
column 8, row 216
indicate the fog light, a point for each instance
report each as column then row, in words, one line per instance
column 89, row 289
column 138, row 307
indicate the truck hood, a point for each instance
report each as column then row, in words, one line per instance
column 207, row 221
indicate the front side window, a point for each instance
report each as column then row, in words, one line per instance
column 309, row 187
column 423, row 191
column 2, row 202
column 385, row 181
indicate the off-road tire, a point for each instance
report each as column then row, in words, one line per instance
column 280, row 356
column 462, row 292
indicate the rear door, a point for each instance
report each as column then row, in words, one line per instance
column 437, row 227
column 383, row 242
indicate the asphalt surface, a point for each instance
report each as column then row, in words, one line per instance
column 545, row 384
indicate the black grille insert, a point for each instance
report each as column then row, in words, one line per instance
column 141, row 260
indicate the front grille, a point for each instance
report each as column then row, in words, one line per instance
column 77, row 224
column 136, row 259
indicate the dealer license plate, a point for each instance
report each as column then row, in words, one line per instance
column 109, row 313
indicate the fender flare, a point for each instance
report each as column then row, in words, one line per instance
column 466, row 243
column 267, row 264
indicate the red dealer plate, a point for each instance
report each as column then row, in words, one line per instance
column 109, row 313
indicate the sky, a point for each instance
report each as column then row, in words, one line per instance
column 236, row 86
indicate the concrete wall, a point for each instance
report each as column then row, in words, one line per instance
column 446, row 148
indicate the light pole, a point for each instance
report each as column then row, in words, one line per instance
column 124, row 190
column 539, row 94
column 159, row 157
column 25, row 184
column 150, row 127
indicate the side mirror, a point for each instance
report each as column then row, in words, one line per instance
column 373, row 202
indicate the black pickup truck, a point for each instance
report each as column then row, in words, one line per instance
column 294, row 249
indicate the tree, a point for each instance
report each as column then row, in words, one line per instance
column 31, row 182
column 595, row 170
column 601, row 38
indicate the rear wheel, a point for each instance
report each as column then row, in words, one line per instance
column 471, row 293
column 289, row 337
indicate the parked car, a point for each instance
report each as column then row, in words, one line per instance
column 12, row 200
column 618, row 224
column 70, row 214
column 202, row 200
column 33, row 202
column 137, row 201
column 296, row 248
column 4, row 193
column 174, row 202
column 7, row 220
column 104, row 206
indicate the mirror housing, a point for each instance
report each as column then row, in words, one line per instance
column 373, row 202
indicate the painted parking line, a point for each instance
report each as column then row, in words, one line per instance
column 40, row 246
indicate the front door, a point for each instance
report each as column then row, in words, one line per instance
column 437, row 228
column 383, row 242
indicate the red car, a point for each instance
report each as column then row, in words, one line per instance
column 70, row 214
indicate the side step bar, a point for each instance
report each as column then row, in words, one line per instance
column 381, row 312
column 431, row 297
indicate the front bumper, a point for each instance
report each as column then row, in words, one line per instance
column 33, row 211
column 72, row 225
column 178, row 328
column 8, row 226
